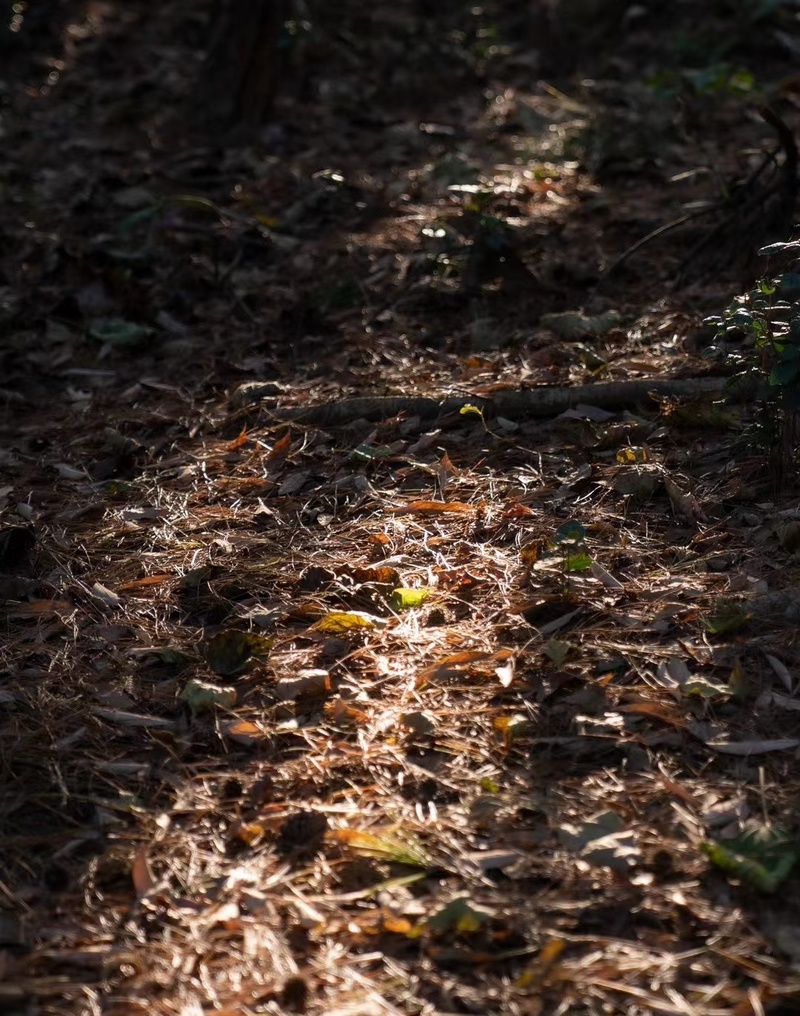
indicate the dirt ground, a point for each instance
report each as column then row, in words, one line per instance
column 399, row 610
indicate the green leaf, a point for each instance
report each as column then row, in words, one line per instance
column 368, row 453
column 762, row 856
column 784, row 373
column 570, row 532
column 201, row 696
column 137, row 217
column 728, row 619
column 702, row 688
column 458, row 916
column 579, row 562
column 172, row 657
column 117, row 332
column 573, row 324
column 195, row 201
column 230, row 652
column 556, row 651
column 741, row 80
column 404, row 598
column 789, row 283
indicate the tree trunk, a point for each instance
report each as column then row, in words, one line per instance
column 241, row 73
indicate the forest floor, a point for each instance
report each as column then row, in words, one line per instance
column 337, row 674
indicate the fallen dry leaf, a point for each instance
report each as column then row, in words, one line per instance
column 434, row 508
column 141, row 873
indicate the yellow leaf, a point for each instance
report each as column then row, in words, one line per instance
column 267, row 220
column 339, row 622
column 468, row 410
column 630, row 455
column 737, row 682
column 538, row 970
column 249, row 833
column 384, row 846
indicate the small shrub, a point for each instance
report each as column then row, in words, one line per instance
column 758, row 337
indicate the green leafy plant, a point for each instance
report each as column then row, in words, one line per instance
column 469, row 410
column 758, row 338
column 459, row 916
column 716, row 78
column 570, row 539
column 230, row 653
column 404, row 598
column 761, row 856
column 728, row 618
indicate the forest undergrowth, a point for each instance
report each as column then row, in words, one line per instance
column 343, row 671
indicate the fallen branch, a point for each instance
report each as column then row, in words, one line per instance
column 744, row 208
column 756, row 215
column 539, row 401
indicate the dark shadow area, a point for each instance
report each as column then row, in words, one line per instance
column 396, row 713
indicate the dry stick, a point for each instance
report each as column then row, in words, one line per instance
column 654, row 234
column 719, row 230
column 532, row 402
column 789, row 147
column 746, row 211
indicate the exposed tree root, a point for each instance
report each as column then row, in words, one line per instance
column 540, row 401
